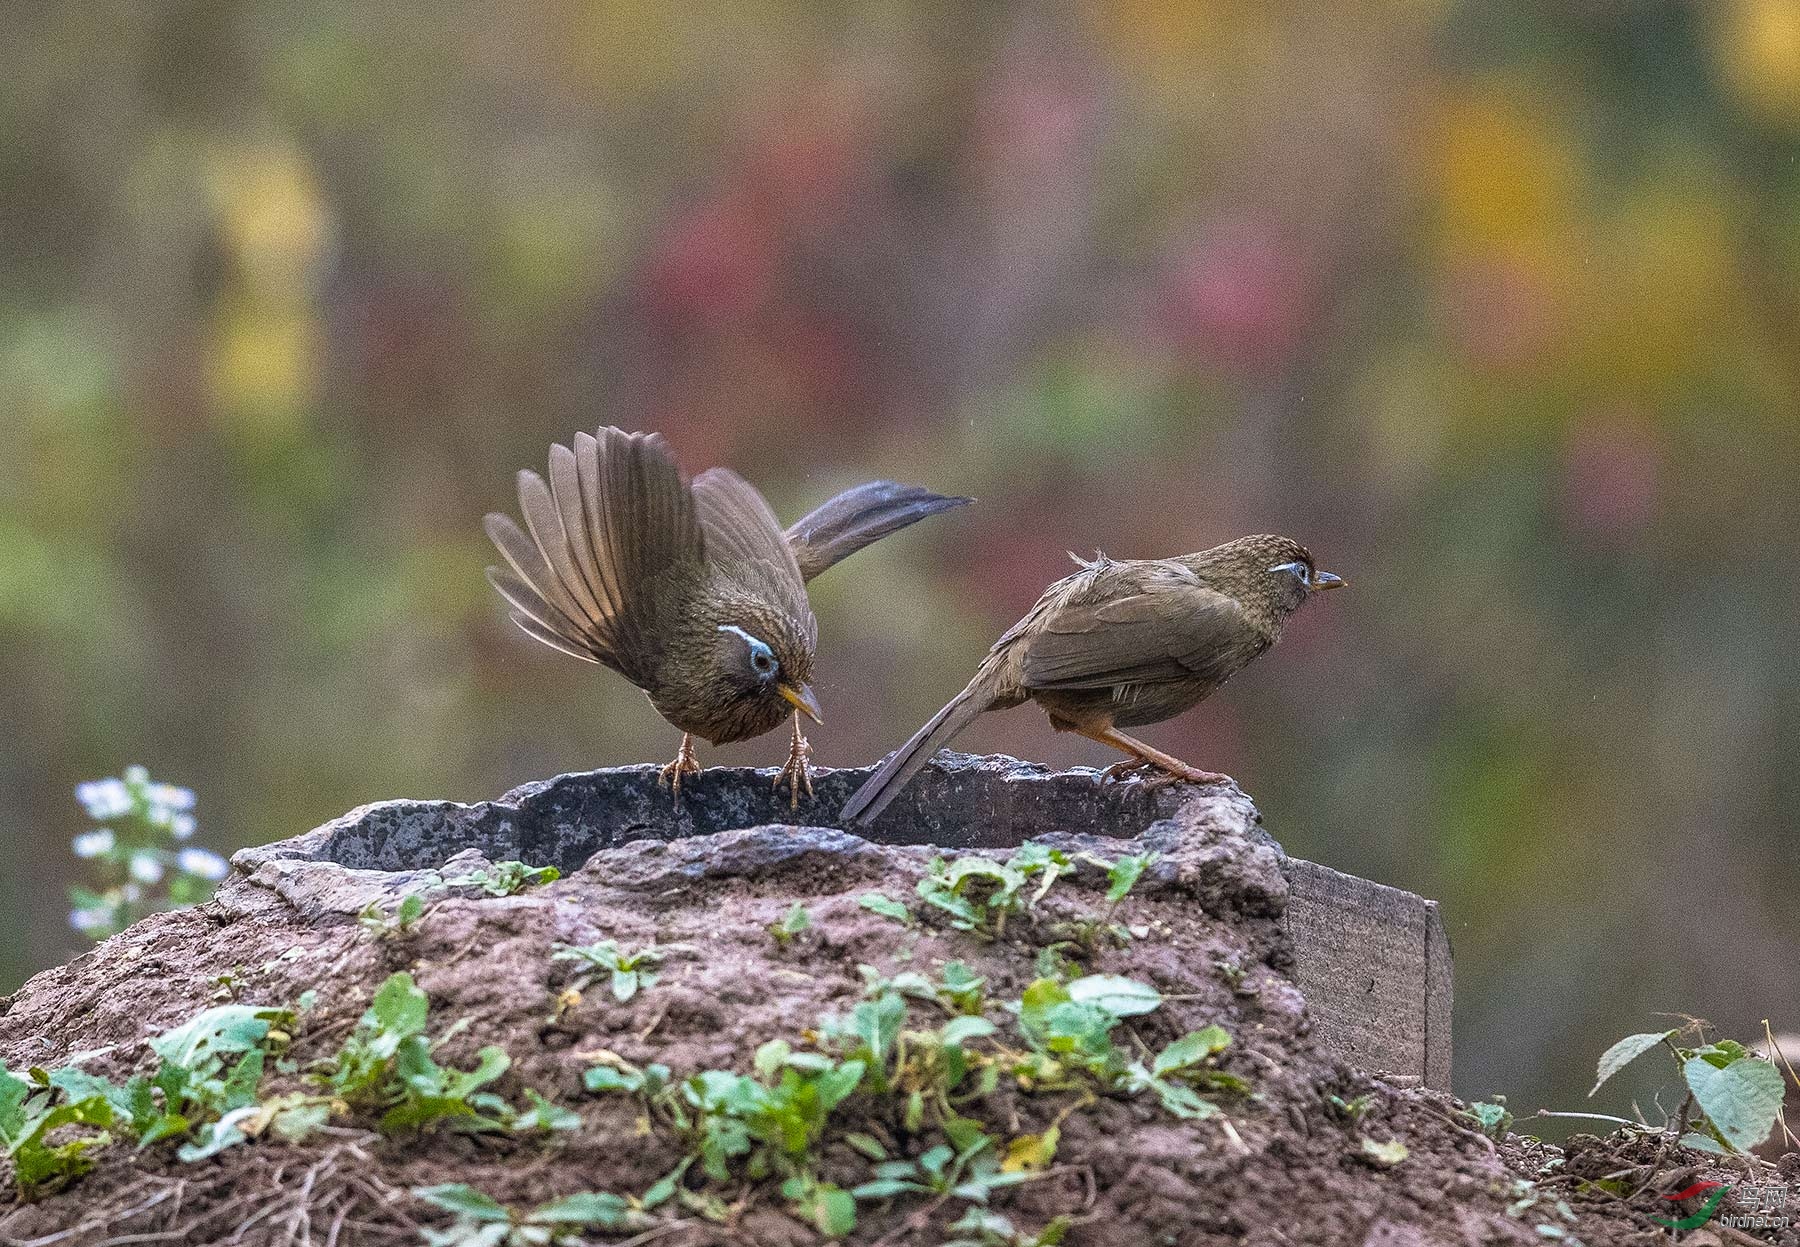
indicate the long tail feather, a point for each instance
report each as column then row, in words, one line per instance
column 855, row 518
column 867, row 803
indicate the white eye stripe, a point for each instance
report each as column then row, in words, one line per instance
column 1299, row 569
column 761, row 656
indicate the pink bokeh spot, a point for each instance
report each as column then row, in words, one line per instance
column 1238, row 297
column 1612, row 469
column 712, row 265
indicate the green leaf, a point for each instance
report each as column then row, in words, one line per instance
column 220, row 1031
column 600, row 1209
column 1741, row 1100
column 606, row 1078
column 1703, row 1143
column 215, row 1137
column 664, row 1188
column 1181, row 1100
column 835, row 1212
column 1625, row 1052
column 300, row 1122
column 1191, row 1049
column 1119, row 996
column 958, row 1031
column 399, row 1011
column 876, row 903
column 545, row 1115
column 839, row 1083
column 791, row 924
column 464, row 1201
column 867, row 1144
column 1124, row 874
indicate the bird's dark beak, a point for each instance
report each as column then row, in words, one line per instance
column 803, row 701
column 1325, row 580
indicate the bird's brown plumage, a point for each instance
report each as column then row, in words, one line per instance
column 691, row 591
column 1122, row 643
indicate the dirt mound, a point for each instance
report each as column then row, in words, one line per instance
column 829, row 1036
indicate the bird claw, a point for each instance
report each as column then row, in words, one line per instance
column 1154, row 775
column 1128, row 768
column 795, row 771
column 685, row 763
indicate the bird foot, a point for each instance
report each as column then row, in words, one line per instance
column 1155, row 775
column 685, row 763
column 795, row 771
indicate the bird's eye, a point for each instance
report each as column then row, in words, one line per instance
column 1301, row 571
column 762, row 658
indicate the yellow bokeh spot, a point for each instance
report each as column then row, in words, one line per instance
column 1508, row 177
column 272, row 216
column 263, row 362
column 1758, row 45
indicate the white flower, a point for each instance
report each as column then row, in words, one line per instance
column 90, row 919
column 94, row 843
column 131, row 894
column 182, row 826
column 202, row 862
column 170, row 797
column 145, row 868
column 104, row 798
column 136, row 776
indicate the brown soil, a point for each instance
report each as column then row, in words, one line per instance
column 1281, row 1167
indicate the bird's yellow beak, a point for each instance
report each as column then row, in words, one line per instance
column 803, row 701
column 1325, row 580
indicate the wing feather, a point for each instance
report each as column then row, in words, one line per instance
column 1171, row 633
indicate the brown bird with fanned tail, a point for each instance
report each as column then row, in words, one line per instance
column 1122, row 643
column 691, row 591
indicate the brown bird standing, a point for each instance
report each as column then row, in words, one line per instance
column 1122, row 643
column 691, row 591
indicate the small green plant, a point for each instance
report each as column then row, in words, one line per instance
column 790, row 926
column 762, row 1125
column 964, row 1168
column 1491, row 1117
column 1353, row 1109
column 139, row 853
column 1069, row 1027
column 387, row 1066
column 983, row 1227
column 208, row 1072
column 630, row 972
column 482, row 1221
column 30, row 1113
column 1738, row 1093
column 617, row 1074
column 1122, row 875
column 505, row 878
column 887, row 907
column 979, row 893
column 402, row 919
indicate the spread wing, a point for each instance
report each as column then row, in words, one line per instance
column 1170, row 630
column 614, row 517
column 744, row 539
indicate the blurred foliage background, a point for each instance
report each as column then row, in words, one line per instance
column 1492, row 303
